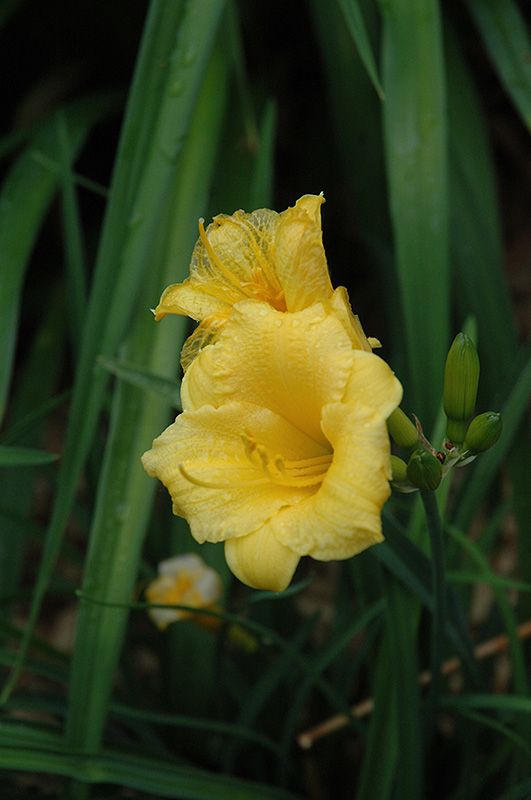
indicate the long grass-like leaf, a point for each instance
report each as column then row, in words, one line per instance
column 152, row 139
column 356, row 25
column 125, row 491
column 506, row 37
column 480, row 285
column 415, row 126
column 26, row 194
column 24, row 456
column 485, row 469
column 377, row 774
column 158, row 778
column 73, row 238
column 412, row 568
column 165, row 388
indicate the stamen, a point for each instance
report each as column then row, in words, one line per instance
column 325, row 459
column 216, row 259
column 280, row 465
column 228, row 485
column 301, row 473
column 258, row 254
column 264, row 284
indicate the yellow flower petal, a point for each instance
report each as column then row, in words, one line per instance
column 232, row 260
column 192, row 301
column 261, row 561
column 282, row 449
column 182, row 580
column 225, row 489
column 276, row 258
column 292, row 364
column 373, row 384
column 311, row 204
column 343, row 517
column 351, row 322
column 300, row 257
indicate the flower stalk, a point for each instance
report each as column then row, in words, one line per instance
column 435, row 531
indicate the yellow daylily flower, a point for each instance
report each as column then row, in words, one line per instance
column 282, row 447
column 184, row 580
column 276, row 258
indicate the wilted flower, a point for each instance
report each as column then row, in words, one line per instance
column 278, row 259
column 183, row 581
column 282, row 448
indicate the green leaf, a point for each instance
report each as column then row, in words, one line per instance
column 24, row 456
column 124, row 491
column 24, row 199
column 356, row 26
column 415, row 125
column 505, row 35
column 137, row 772
column 165, row 388
column 158, row 117
column 410, row 565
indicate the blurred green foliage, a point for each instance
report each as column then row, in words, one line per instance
column 122, row 124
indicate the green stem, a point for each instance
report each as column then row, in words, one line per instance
column 440, row 592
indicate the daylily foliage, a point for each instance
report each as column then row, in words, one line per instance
column 282, row 448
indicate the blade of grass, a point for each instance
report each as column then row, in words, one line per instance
column 261, row 188
column 125, row 492
column 440, row 594
column 26, row 195
column 414, row 115
column 480, row 285
column 513, row 411
column 264, row 634
column 377, row 773
column 165, row 388
column 508, row 703
column 356, row 26
column 521, row 681
column 156, row 777
column 412, row 568
column 24, row 456
column 226, row 729
column 73, row 240
column 505, row 35
column 402, row 632
column 322, row 661
column 519, row 667
column 357, row 122
column 154, row 130
column 483, row 719
column 263, row 692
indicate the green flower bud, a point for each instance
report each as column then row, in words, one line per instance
column 398, row 469
column 402, row 429
column 483, row 432
column 424, row 470
column 461, row 377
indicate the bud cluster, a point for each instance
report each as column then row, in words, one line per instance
column 465, row 436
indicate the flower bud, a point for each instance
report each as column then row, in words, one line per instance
column 424, row 470
column 398, row 470
column 402, row 429
column 461, row 377
column 483, row 432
